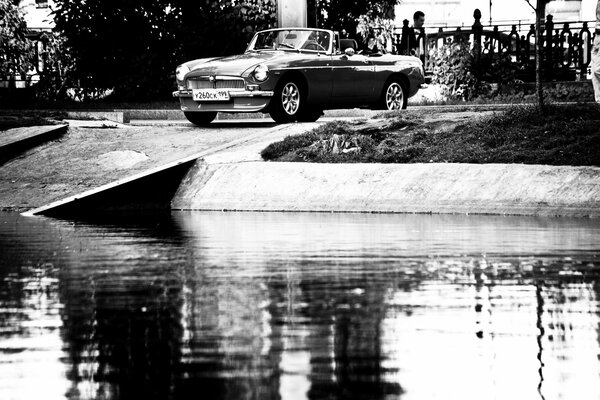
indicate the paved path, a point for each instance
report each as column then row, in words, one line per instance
column 87, row 158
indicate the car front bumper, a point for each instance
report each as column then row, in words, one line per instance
column 240, row 101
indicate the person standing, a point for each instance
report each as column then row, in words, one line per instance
column 410, row 36
column 417, row 28
column 595, row 64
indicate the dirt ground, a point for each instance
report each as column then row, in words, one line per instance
column 85, row 158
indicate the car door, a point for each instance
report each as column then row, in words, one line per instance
column 352, row 78
column 317, row 68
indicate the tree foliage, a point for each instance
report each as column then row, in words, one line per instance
column 133, row 46
column 344, row 14
column 16, row 51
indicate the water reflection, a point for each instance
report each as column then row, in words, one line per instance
column 299, row 306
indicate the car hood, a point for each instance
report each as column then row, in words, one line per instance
column 232, row 65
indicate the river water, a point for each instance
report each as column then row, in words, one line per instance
column 300, row 306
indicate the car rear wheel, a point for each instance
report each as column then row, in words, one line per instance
column 394, row 96
column 287, row 102
column 200, row 118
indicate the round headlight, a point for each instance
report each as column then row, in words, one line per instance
column 181, row 71
column 261, row 73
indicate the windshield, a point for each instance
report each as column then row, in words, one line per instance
column 292, row 39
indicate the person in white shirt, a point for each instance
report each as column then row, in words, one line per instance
column 595, row 64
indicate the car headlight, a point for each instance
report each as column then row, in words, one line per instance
column 261, row 73
column 181, row 71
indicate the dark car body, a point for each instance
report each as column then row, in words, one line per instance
column 295, row 74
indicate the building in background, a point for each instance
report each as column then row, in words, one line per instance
column 38, row 14
column 442, row 13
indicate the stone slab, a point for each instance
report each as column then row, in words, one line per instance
column 511, row 189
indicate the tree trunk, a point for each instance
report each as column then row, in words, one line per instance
column 540, row 16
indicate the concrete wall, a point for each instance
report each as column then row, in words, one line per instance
column 401, row 188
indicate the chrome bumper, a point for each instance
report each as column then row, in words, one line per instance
column 232, row 94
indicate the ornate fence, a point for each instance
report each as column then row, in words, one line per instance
column 566, row 47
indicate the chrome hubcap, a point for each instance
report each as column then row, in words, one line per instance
column 290, row 98
column 394, row 97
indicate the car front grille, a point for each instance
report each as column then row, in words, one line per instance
column 203, row 82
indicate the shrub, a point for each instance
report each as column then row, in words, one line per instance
column 455, row 68
column 56, row 76
column 16, row 50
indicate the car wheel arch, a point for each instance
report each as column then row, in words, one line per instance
column 297, row 77
column 402, row 78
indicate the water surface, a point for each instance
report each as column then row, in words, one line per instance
column 300, row 306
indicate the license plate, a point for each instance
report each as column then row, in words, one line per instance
column 210, row 95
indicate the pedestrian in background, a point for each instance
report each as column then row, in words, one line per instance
column 417, row 28
column 595, row 64
column 409, row 44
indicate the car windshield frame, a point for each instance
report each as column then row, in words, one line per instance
column 293, row 39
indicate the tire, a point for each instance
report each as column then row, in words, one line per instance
column 287, row 103
column 200, row 118
column 309, row 115
column 393, row 96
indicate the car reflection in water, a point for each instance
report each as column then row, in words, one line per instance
column 294, row 306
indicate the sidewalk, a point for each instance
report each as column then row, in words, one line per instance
column 143, row 116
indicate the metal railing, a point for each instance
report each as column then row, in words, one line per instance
column 566, row 46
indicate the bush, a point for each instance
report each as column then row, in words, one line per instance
column 455, row 68
column 56, row 76
column 16, row 50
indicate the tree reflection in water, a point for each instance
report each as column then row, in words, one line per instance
column 255, row 306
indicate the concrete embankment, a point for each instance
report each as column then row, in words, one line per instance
column 409, row 188
column 232, row 176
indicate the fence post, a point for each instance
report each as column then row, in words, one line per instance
column 531, row 54
column 440, row 35
column 514, row 43
column 566, row 53
column 495, row 45
column 548, row 45
column 575, row 54
column 477, row 30
column 585, row 55
column 458, row 35
column 422, row 48
column 404, row 47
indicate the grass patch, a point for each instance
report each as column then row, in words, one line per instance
column 29, row 118
column 566, row 135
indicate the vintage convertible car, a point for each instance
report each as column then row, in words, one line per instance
column 294, row 74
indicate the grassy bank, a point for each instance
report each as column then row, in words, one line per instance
column 566, row 135
column 29, row 118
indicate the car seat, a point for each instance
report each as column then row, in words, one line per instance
column 347, row 44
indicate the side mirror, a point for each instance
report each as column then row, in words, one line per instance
column 349, row 51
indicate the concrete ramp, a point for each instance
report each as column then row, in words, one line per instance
column 399, row 188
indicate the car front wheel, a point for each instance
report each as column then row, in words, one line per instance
column 200, row 118
column 286, row 103
column 394, row 96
